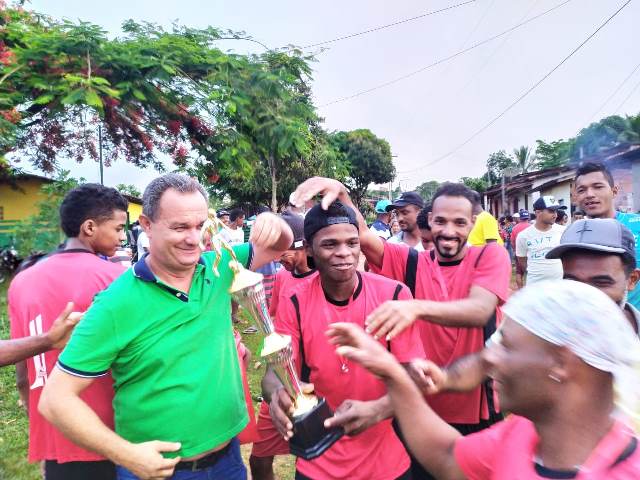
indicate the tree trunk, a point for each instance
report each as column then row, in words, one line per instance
column 274, row 185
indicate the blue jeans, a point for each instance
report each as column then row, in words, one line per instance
column 229, row 467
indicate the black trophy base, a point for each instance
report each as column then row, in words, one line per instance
column 310, row 438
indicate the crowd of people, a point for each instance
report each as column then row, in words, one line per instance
column 433, row 364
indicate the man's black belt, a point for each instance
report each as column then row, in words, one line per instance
column 204, row 462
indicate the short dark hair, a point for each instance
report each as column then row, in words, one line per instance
column 450, row 189
column 560, row 214
column 591, row 167
column 509, row 218
column 423, row 218
column 89, row 201
column 235, row 214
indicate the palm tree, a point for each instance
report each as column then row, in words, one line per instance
column 525, row 158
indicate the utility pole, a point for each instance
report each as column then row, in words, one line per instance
column 100, row 151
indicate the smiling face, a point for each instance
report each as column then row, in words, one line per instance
column 174, row 235
column 595, row 195
column 520, row 367
column 451, row 220
column 335, row 250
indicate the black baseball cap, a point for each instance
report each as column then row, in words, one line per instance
column 407, row 198
column 296, row 223
column 596, row 234
column 317, row 218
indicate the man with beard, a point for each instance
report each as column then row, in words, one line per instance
column 595, row 193
column 457, row 289
column 407, row 207
column 599, row 252
column 295, row 271
column 534, row 243
column 341, row 293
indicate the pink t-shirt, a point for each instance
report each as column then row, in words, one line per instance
column 375, row 454
column 36, row 297
column 284, row 284
column 506, row 451
column 487, row 267
column 516, row 230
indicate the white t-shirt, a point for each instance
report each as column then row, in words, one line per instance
column 534, row 244
column 399, row 238
column 143, row 244
column 232, row 237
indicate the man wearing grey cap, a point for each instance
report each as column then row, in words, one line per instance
column 534, row 242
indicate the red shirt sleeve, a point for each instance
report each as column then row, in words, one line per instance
column 408, row 344
column 475, row 453
column 16, row 323
column 493, row 272
column 394, row 261
column 286, row 323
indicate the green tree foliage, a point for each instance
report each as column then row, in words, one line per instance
column 553, row 154
column 368, row 160
column 128, row 190
column 496, row 164
column 41, row 232
column 427, row 189
column 524, row 159
column 479, row 184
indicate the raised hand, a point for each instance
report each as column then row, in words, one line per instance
column 60, row 331
column 330, row 190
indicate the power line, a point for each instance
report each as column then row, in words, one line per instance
column 389, row 25
column 614, row 93
column 445, row 59
column 633, row 90
column 527, row 92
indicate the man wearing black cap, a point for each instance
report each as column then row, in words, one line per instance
column 535, row 242
column 341, row 293
column 407, row 208
column 295, row 271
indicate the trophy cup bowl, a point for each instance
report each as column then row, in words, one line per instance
column 311, row 439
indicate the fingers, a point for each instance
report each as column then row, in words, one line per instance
column 160, row 446
column 343, row 415
column 66, row 312
column 74, row 318
column 307, row 387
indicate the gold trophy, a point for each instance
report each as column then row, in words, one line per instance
column 311, row 439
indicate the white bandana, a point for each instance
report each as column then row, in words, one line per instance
column 591, row 325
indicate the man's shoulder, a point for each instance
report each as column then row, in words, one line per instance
column 491, row 253
column 378, row 281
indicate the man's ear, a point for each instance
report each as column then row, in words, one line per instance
column 615, row 190
column 632, row 281
column 88, row 228
column 145, row 223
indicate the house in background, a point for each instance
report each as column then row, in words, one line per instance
column 522, row 190
column 19, row 200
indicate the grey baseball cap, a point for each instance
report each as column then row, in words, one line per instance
column 596, row 234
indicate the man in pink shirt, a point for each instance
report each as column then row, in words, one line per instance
column 562, row 349
column 93, row 218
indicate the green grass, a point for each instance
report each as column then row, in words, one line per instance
column 14, row 425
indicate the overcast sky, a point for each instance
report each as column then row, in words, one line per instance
column 431, row 113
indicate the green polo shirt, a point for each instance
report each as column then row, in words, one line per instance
column 172, row 356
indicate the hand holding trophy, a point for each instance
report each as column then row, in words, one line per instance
column 311, row 439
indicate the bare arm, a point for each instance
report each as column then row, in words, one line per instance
column 372, row 246
column 521, row 268
column 392, row 317
column 14, row 351
column 430, row 439
column 22, row 383
column 270, row 237
column 60, row 403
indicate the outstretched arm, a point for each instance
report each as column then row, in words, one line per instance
column 331, row 190
column 14, row 351
column 270, row 237
column 430, row 439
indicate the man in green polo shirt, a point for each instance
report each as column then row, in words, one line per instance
column 164, row 330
